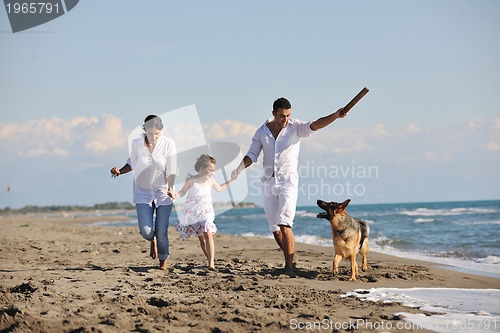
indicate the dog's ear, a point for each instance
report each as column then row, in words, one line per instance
column 343, row 206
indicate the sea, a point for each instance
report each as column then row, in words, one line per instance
column 462, row 236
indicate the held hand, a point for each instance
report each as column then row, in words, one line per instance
column 173, row 194
column 115, row 172
column 340, row 113
column 234, row 174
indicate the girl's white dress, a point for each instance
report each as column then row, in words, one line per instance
column 197, row 215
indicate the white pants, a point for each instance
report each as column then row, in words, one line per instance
column 280, row 202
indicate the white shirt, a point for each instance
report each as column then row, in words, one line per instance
column 281, row 155
column 151, row 170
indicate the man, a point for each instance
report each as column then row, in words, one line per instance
column 279, row 138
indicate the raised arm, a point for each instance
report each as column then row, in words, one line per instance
column 327, row 120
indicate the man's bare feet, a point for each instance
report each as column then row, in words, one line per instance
column 163, row 264
column 153, row 251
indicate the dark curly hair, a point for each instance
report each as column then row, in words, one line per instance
column 203, row 161
column 281, row 103
column 153, row 121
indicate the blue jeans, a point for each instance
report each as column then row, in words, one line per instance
column 159, row 227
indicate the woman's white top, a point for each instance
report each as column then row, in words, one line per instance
column 151, row 170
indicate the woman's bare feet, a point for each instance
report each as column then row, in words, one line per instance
column 153, row 251
column 163, row 264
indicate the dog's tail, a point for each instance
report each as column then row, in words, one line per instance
column 365, row 231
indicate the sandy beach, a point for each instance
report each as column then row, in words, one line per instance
column 63, row 274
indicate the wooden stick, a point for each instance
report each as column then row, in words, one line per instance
column 356, row 99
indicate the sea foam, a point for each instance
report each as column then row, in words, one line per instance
column 456, row 309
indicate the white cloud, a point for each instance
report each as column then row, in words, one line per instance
column 487, row 133
column 229, row 130
column 60, row 138
column 414, row 129
column 346, row 140
column 475, row 123
column 491, row 146
column 497, row 124
column 104, row 134
column 408, row 145
column 379, row 130
column 410, row 154
column 430, row 155
column 63, row 138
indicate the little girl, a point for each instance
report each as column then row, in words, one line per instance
column 197, row 216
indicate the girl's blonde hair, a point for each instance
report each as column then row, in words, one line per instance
column 203, row 161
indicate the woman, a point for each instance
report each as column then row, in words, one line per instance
column 153, row 160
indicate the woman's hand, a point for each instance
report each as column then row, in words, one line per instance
column 173, row 194
column 115, row 172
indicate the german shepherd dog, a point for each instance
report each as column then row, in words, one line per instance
column 350, row 235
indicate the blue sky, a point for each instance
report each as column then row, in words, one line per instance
column 72, row 90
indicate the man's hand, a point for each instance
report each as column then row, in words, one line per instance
column 340, row 113
column 235, row 174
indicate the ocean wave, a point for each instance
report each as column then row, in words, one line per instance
column 303, row 213
column 447, row 212
column 313, row 240
column 251, row 234
column 242, row 217
column 490, row 260
column 480, row 266
column 381, row 242
column 461, row 253
column 476, row 222
column 422, row 220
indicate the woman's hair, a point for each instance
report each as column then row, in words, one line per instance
column 153, row 121
column 203, row 161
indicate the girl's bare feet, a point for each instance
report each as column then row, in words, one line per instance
column 163, row 264
column 153, row 251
